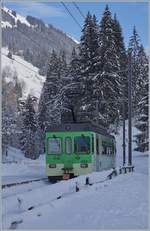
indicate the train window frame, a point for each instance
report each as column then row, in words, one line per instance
column 75, row 145
column 60, row 143
column 68, row 153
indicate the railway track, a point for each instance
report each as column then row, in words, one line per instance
column 20, row 183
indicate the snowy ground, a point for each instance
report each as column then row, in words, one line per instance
column 18, row 168
column 119, row 203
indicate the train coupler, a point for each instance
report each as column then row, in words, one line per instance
column 67, row 175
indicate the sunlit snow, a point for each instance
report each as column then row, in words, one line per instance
column 119, row 203
column 27, row 74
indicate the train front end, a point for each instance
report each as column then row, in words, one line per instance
column 68, row 154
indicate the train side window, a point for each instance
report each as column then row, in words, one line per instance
column 68, row 145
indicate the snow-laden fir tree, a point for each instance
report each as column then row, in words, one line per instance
column 63, row 66
column 29, row 127
column 11, row 92
column 142, row 99
column 142, row 69
column 108, row 79
column 142, row 138
column 121, row 52
column 49, row 108
column 73, row 90
column 89, row 61
column 134, row 45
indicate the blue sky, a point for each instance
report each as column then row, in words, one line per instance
column 128, row 14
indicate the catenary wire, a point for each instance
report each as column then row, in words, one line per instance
column 77, row 7
column 69, row 12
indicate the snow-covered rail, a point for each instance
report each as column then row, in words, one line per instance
column 23, row 182
column 26, row 202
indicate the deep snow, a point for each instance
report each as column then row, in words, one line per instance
column 17, row 168
column 119, row 203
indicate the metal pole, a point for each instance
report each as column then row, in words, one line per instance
column 129, row 108
column 124, row 131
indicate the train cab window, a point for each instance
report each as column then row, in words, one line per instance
column 68, row 145
column 82, row 144
column 54, row 145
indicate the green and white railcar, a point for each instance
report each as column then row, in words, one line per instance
column 76, row 149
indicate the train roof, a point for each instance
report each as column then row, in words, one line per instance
column 79, row 127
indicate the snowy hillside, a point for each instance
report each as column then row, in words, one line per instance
column 34, row 38
column 15, row 16
column 23, row 20
column 27, row 74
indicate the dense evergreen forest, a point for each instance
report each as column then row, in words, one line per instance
column 88, row 88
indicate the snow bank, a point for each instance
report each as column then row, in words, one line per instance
column 17, row 168
column 50, row 192
column 119, row 203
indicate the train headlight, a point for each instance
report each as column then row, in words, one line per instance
column 83, row 165
column 52, row 165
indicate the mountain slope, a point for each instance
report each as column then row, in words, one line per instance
column 27, row 74
column 34, row 39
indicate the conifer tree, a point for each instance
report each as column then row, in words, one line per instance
column 108, row 79
column 134, row 45
column 142, row 138
column 28, row 128
column 142, row 101
column 73, row 90
column 121, row 52
column 48, row 109
column 11, row 92
column 89, row 60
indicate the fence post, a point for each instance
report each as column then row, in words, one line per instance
column 77, row 187
column 87, row 181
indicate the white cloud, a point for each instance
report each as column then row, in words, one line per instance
column 39, row 10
